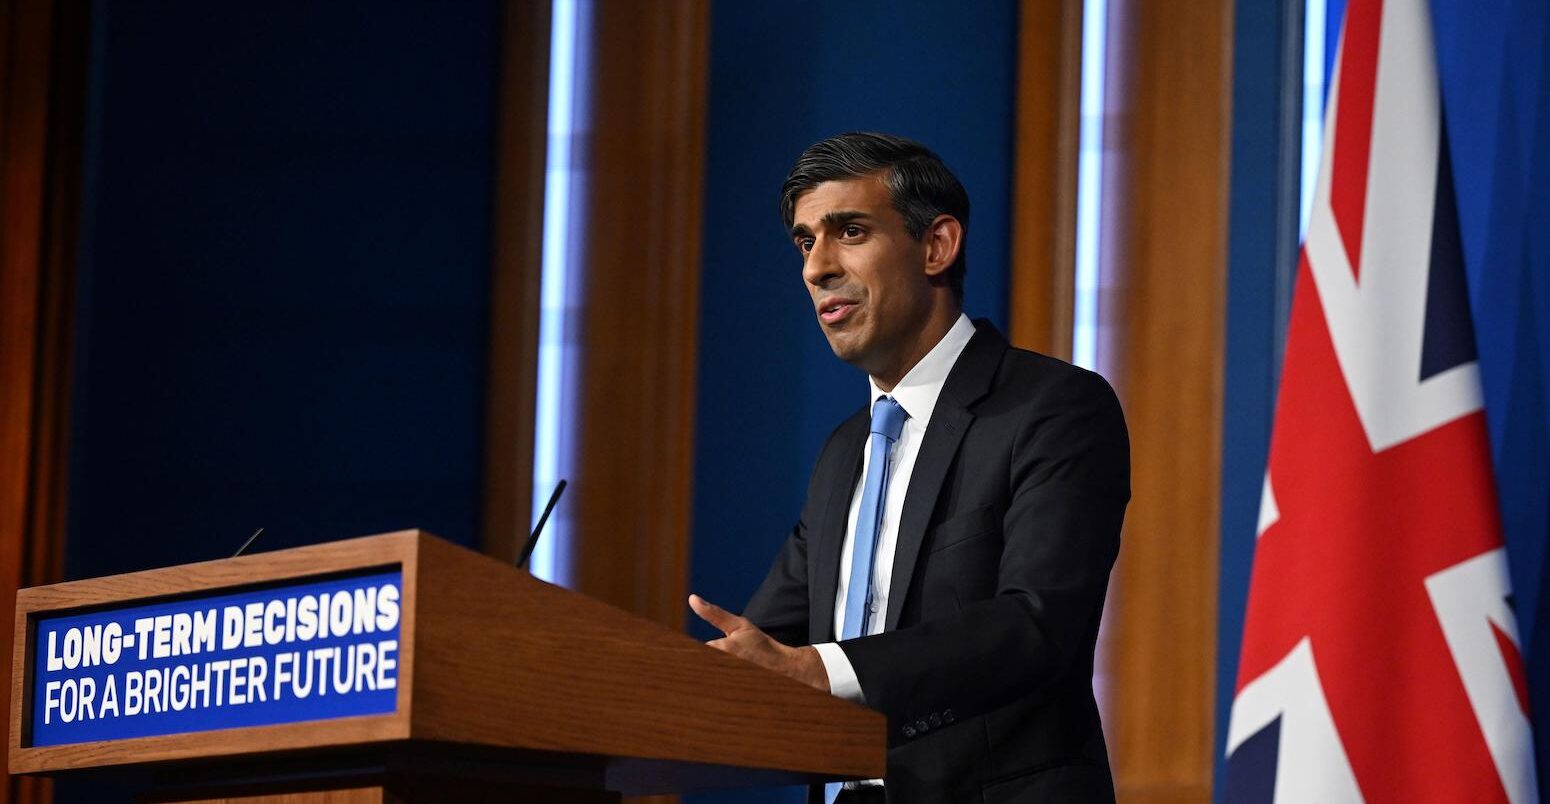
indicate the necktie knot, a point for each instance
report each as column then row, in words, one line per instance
column 888, row 418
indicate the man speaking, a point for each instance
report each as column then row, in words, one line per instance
column 951, row 560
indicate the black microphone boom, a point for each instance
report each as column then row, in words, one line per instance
column 532, row 540
column 246, row 544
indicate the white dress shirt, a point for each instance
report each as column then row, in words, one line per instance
column 917, row 393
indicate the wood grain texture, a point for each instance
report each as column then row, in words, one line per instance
column 515, row 286
column 505, row 659
column 371, row 794
column 42, row 95
column 1043, row 270
column 499, row 669
column 394, row 788
column 1161, row 329
column 644, row 162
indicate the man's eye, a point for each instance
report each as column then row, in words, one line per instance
column 851, row 231
column 805, row 244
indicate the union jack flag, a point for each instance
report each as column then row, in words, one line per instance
column 1380, row 659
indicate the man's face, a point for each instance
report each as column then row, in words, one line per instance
column 866, row 274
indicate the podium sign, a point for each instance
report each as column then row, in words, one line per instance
column 403, row 668
column 305, row 650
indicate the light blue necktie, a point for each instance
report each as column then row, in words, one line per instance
column 887, row 422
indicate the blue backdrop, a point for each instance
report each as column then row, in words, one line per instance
column 284, row 265
column 769, row 388
column 1495, row 80
column 1495, row 74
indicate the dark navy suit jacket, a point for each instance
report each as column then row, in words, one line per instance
column 1010, row 526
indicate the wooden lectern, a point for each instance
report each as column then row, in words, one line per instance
column 508, row 688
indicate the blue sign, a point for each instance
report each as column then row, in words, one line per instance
column 303, row 651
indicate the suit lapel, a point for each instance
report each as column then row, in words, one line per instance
column 829, row 541
column 966, row 383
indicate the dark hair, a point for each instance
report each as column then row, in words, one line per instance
column 919, row 185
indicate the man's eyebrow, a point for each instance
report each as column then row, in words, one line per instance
column 831, row 220
column 838, row 218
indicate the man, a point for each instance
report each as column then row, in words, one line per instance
column 951, row 561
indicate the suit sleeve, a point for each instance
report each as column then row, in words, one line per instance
column 1069, row 484
column 780, row 606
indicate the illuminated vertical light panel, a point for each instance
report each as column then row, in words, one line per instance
column 1089, row 223
column 1089, row 188
column 550, row 422
column 1313, row 38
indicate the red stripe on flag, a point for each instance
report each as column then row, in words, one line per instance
column 1346, row 566
column 1353, row 128
column 1514, row 659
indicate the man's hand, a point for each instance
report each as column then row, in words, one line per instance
column 745, row 641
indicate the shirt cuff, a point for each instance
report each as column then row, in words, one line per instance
column 842, row 677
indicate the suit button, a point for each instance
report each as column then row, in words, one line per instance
column 909, row 731
column 947, row 716
column 921, row 726
column 936, row 720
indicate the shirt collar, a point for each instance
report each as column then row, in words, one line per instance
column 918, row 391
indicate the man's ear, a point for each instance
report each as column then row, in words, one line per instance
column 943, row 240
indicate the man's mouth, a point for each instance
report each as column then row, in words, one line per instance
column 836, row 310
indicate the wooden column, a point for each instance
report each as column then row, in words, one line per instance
column 634, row 239
column 42, row 79
column 517, row 269
column 1049, row 76
column 1163, row 258
column 640, row 232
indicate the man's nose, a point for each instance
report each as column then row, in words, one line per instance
column 822, row 265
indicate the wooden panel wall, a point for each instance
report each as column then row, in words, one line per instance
column 42, row 71
column 518, row 224
column 1163, row 265
column 1049, row 77
column 640, row 240
column 635, row 234
column 641, row 233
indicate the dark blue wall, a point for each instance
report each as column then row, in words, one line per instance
column 782, row 76
column 285, row 258
column 285, row 251
column 1262, row 245
column 1494, row 70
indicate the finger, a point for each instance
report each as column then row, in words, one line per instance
column 711, row 613
column 724, row 620
column 719, row 644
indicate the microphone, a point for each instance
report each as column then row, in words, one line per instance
column 245, row 544
column 532, row 540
